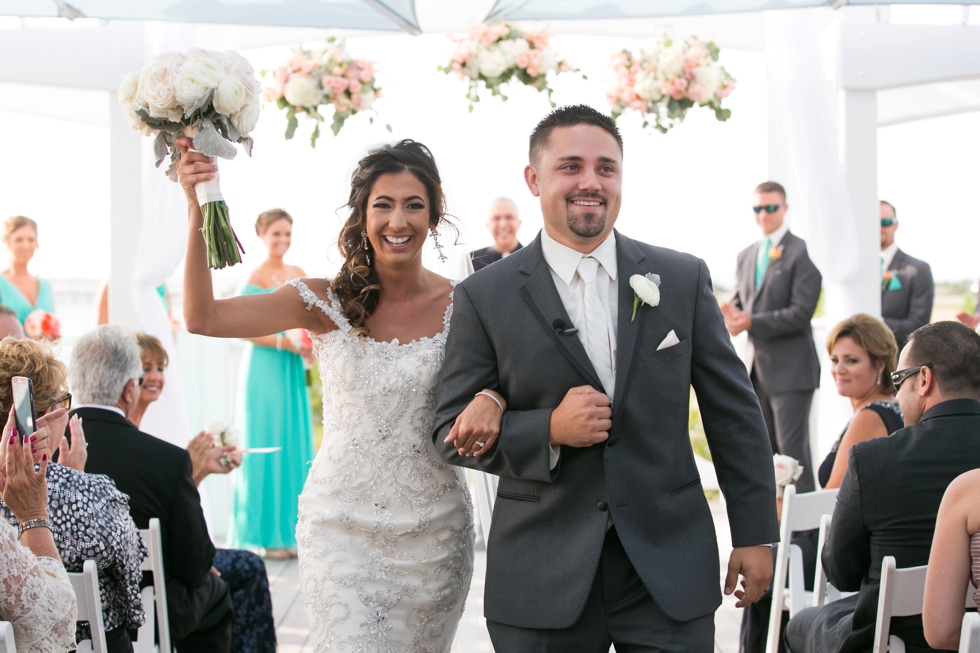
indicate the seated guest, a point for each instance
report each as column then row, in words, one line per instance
column 89, row 516
column 891, row 491
column 9, row 324
column 862, row 357
column 953, row 563
column 253, row 628
column 907, row 288
column 503, row 225
column 105, row 375
column 36, row 596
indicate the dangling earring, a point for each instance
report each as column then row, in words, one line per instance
column 435, row 241
column 367, row 247
column 879, row 378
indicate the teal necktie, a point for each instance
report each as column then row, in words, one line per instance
column 762, row 262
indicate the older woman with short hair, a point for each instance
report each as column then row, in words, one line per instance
column 89, row 516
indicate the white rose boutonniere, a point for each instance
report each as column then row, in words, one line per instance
column 788, row 470
column 647, row 291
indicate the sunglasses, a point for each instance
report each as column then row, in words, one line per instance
column 64, row 402
column 887, row 222
column 768, row 208
column 899, row 376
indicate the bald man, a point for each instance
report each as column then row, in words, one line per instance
column 503, row 225
column 9, row 324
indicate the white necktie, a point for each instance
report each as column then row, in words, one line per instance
column 596, row 326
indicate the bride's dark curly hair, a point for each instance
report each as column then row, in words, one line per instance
column 356, row 285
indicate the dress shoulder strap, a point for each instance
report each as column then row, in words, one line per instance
column 448, row 315
column 330, row 307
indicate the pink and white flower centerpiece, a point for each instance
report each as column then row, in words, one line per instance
column 497, row 54
column 327, row 77
column 668, row 78
column 211, row 97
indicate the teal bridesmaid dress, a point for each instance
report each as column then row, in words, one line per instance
column 13, row 298
column 272, row 410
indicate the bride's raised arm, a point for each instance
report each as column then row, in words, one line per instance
column 246, row 316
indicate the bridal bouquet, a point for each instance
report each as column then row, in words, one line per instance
column 496, row 54
column 211, row 97
column 320, row 78
column 788, row 470
column 41, row 324
column 667, row 79
column 225, row 435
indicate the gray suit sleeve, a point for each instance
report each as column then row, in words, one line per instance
column 733, row 425
column 522, row 450
column 796, row 317
column 920, row 304
column 847, row 553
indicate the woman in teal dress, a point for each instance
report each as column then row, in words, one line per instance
column 20, row 291
column 272, row 410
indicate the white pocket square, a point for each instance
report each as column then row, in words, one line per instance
column 669, row 341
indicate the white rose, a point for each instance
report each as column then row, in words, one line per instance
column 549, row 60
column 491, row 62
column 787, row 470
column 127, row 90
column 135, row 122
column 671, row 61
column 195, row 78
column 709, row 77
column 237, row 65
column 245, row 120
column 647, row 86
column 173, row 59
column 511, row 49
column 367, row 99
column 647, row 288
column 230, row 96
column 159, row 89
column 303, row 91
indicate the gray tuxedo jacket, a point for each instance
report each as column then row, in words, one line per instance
column 549, row 525
column 781, row 309
column 907, row 308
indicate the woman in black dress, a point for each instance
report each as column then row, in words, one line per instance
column 863, row 354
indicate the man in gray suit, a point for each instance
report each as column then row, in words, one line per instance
column 778, row 287
column 601, row 532
column 907, row 289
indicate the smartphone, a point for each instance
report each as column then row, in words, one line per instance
column 23, row 391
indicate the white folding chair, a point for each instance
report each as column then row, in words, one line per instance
column 154, row 596
column 7, row 637
column 801, row 512
column 485, row 487
column 900, row 595
column 86, row 586
column 970, row 633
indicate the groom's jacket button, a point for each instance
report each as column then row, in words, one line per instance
column 610, row 443
column 603, row 506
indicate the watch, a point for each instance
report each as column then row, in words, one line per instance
column 34, row 523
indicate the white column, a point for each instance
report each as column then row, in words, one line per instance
column 859, row 153
column 125, row 219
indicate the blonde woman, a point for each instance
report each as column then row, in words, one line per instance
column 19, row 289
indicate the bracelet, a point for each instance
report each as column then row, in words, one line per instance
column 34, row 523
column 495, row 400
column 278, row 342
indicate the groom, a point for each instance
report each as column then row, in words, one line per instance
column 601, row 533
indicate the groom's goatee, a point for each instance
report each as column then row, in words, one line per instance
column 588, row 225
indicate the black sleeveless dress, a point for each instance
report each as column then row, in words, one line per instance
column 889, row 412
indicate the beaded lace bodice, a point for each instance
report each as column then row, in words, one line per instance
column 386, row 526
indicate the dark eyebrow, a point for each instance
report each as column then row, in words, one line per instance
column 578, row 159
column 415, row 197
column 390, row 199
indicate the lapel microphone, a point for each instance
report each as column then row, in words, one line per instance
column 561, row 330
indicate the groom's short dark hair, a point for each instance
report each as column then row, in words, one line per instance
column 569, row 116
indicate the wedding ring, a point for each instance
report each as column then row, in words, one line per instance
column 480, row 443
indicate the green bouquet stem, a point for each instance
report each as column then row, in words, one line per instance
column 224, row 248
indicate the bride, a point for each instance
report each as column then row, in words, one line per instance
column 385, row 533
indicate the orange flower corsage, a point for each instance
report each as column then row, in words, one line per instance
column 775, row 253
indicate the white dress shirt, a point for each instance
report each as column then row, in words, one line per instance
column 563, row 262
column 887, row 256
column 777, row 236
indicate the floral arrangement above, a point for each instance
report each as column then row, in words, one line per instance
column 211, row 97
column 667, row 79
column 42, row 324
column 497, row 54
column 787, row 469
column 319, row 78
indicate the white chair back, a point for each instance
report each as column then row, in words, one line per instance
column 900, row 595
column 801, row 512
column 485, row 488
column 86, row 586
column 154, row 596
column 7, row 637
column 970, row 633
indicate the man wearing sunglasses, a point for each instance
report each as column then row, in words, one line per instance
column 890, row 494
column 907, row 288
column 777, row 289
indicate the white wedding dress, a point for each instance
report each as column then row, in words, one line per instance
column 385, row 533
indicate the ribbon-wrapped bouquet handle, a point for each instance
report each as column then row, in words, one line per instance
column 211, row 97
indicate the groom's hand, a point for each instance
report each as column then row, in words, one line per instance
column 582, row 419
column 754, row 564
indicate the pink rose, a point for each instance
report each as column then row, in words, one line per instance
column 282, row 76
column 337, row 71
column 310, row 65
column 355, row 86
column 523, row 60
column 726, row 89
column 697, row 93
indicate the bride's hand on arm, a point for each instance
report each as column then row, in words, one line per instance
column 478, row 426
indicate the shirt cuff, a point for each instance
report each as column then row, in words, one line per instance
column 553, row 455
